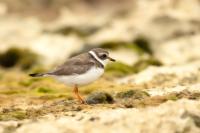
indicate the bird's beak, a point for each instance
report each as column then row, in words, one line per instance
column 111, row 59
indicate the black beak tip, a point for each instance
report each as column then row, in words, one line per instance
column 111, row 59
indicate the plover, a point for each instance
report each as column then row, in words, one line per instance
column 80, row 70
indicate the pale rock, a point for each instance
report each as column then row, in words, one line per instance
column 178, row 51
column 3, row 9
column 55, row 48
column 195, row 88
column 28, row 33
column 169, row 117
column 189, row 70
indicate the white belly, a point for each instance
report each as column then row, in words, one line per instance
column 83, row 79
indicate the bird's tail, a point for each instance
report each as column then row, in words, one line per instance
column 37, row 74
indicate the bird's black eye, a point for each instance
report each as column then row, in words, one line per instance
column 103, row 56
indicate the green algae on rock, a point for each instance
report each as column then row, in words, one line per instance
column 143, row 43
column 119, row 69
column 99, row 97
column 130, row 100
column 45, row 90
column 13, row 92
column 23, row 58
column 144, row 63
column 12, row 114
column 134, row 94
column 56, row 96
column 28, row 82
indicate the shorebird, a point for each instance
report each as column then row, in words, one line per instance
column 80, row 70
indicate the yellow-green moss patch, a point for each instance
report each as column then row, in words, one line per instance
column 144, row 63
column 119, row 69
column 45, row 90
column 13, row 114
column 12, row 92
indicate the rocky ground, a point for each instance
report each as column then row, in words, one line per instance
column 158, row 99
column 154, row 87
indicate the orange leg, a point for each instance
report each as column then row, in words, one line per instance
column 77, row 95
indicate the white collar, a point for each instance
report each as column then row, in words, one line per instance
column 97, row 58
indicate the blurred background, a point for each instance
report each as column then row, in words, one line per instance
column 156, row 44
column 57, row 29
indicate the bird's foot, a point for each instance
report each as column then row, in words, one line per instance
column 81, row 101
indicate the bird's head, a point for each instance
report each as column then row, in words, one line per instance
column 101, row 55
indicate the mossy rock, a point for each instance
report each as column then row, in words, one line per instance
column 133, row 94
column 172, row 97
column 39, row 68
column 29, row 82
column 144, row 63
column 55, row 96
column 10, row 57
column 184, row 94
column 99, row 97
column 12, row 92
column 23, row 58
column 14, row 114
column 119, row 69
column 143, row 43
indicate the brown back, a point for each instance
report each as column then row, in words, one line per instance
column 76, row 65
